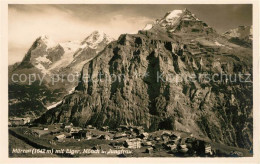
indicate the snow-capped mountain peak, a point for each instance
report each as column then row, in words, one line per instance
column 96, row 38
column 148, row 27
column 47, row 41
column 174, row 17
column 180, row 21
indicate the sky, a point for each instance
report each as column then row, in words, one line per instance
column 62, row 23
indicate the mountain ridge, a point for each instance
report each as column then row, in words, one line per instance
column 216, row 110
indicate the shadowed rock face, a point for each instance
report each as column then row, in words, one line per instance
column 144, row 92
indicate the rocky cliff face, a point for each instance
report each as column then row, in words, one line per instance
column 163, row 82
column 54, row 70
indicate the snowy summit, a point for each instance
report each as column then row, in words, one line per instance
column 47, row 41
column 172, row 19
column 95, row 38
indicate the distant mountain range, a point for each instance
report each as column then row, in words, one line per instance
column 51, row 63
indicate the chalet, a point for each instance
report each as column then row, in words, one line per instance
column 171, row 146
column 60, row 138
column 119, row 129
column 15, row 121
column 133, row 143
column 157, row 138
column 144, row 135
column 80, row 134
column 208, row 149
column 124, row 127
column 55, row 131
column 105, row 137
column 131, row 134
column 147, row 143
column 138, row 130
column 105, row 128
column 95, row 135
column 183, row 146
column 68, row 135
column 67, row 125
column 202, row 147
column 119, row 135
column 129, row 128
column 75, row 129
column 91, row 127
column 149, row 150
column 174, row 137
column 165, row 137
column 88, row 137
column 166, row 133
column 183, row 150
column 40, row 133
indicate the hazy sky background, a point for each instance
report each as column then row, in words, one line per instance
column 75, row 22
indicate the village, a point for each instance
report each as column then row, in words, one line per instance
column 125, row 138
